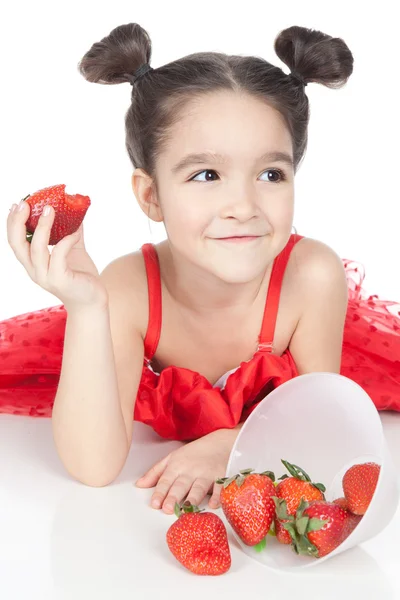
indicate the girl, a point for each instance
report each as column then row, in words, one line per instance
column 190, row 335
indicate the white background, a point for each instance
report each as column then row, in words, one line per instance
column 58, row 128
column 61, row 540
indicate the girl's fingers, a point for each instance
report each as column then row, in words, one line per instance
column 163, row 488
column 40, row 255
column 81, row 241
column 199, row 490
column 171, row 489
column 215, row 500
column 16, row 237
column 150, row 478
column 58, row 260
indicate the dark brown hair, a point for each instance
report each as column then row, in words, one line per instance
column 160, row 96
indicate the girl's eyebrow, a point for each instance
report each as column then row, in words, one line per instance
column 208, row 157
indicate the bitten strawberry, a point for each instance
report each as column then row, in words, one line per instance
column 199, row 541
column 70, row 210
column 293, row 490
column 317, row 528
column 246, row 500
column 359, row 483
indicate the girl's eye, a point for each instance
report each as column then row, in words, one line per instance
column 278, row 171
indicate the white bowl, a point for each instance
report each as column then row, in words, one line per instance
column 324, row 423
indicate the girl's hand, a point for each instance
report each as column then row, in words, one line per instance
column 191, row 471
column 69, row 273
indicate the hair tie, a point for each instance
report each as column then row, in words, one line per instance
column 142, row 70
column 298, row 78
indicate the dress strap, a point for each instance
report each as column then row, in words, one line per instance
column 266, row 337
column 155, row 300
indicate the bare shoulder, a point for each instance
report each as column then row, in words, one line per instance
column 126, row 281
column 313, row 263
column 316, row 343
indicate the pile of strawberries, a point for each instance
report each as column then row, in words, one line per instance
column 294, row 510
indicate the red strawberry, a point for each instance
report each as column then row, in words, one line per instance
column 341, row 502
column 351, row 523
column 318, row 527
column 199, row 541
column 70, row 210
column 282, row 535
column 293, row 490
column 359, row 484
column 352, row 520
column 246, row 500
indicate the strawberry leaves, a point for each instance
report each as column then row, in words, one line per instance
column 299, row 473
column 299, row 526
column 240, row 478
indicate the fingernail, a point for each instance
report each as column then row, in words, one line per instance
column 21, row 205
column 13, row 207
column 156, row 503
column 169, row 507
column 46, row 210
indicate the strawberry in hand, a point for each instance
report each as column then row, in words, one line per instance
column 199, row 540
column 246, row 500
column 70, row 210
column 68, row 271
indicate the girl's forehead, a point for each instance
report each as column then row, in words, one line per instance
column 225, row 124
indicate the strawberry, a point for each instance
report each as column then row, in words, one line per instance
column 246, row 500
column 199, row 540
column 352, row 520
column 341, row 502
column 317, row 528
column 282, row 534
column 351, row 523
column 293, row 490
column 70, row 210
column 359, row 483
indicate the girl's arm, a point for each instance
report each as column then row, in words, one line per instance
column 316, row 344
column 101, row 368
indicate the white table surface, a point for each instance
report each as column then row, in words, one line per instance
column 60, row 539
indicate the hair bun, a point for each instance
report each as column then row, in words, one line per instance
column 314, row 56
column 123, row 51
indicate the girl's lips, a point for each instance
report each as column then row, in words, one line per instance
column 246, row 238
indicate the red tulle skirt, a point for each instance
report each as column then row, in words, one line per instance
column 31, row 347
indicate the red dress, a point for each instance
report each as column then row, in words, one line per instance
column 182, row 404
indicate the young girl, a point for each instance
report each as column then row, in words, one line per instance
column 190, row 335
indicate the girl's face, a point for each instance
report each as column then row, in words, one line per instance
column 240, row 193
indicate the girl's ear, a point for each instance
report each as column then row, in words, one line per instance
column 144, row 190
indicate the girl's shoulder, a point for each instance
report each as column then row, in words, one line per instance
column 313, row 260
column 310, row 260
column 129, row 274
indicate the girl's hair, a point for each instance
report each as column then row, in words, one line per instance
column 160, row 96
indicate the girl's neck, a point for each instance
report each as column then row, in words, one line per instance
column 202, row 293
